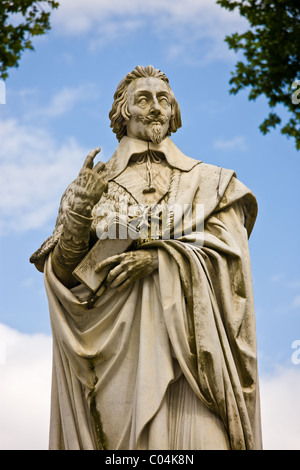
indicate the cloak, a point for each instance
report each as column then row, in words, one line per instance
column 170, row 363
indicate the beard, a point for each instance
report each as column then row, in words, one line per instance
column 155, row 132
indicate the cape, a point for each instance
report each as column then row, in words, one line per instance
column 126, row 370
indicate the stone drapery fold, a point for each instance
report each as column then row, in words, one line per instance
column 115, row 364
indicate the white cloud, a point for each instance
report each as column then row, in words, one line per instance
column 110, row 31
column 283, row 279
column 175, row 21
column 236, row 143
column 278, row 278
column 294, row 284
column 284, row 282
column 65, row 100
column 2, row 92
column 35, row 170
column 77, row 17
column 25, row 377
column 296, row 301
column 281, row 409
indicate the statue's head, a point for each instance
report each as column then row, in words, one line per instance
column 144, row 106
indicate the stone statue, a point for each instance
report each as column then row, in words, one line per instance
column 163, row 354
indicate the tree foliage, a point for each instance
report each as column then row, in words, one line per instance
column 271, row 48
column 20, row 20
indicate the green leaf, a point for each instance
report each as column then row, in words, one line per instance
column 271, row 49
column 14, row 39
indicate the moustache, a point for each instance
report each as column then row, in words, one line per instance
column 149, row 119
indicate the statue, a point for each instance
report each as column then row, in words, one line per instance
column 162, row 353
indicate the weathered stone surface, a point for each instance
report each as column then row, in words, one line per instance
column 164, row 357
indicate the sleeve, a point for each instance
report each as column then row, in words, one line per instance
column 39, row 256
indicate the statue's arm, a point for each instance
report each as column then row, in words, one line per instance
column 74, row 241
column 72, row 246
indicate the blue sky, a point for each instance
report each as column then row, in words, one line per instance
column 56, row 111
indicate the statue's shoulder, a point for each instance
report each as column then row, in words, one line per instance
column 230, row 191
column 211, row 170
column 233, row 187
column 213, row 175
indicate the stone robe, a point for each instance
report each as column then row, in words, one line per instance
column 170, row 363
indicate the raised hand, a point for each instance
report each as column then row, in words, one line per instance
column 89, row 185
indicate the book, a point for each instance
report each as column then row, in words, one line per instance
column 124, row 236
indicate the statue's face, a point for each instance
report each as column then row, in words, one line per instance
column 150, row 109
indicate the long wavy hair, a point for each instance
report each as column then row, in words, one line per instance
column 119, row 112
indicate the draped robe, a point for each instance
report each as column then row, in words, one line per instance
column 170, row 363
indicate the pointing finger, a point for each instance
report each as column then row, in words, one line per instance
column 88, row 163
